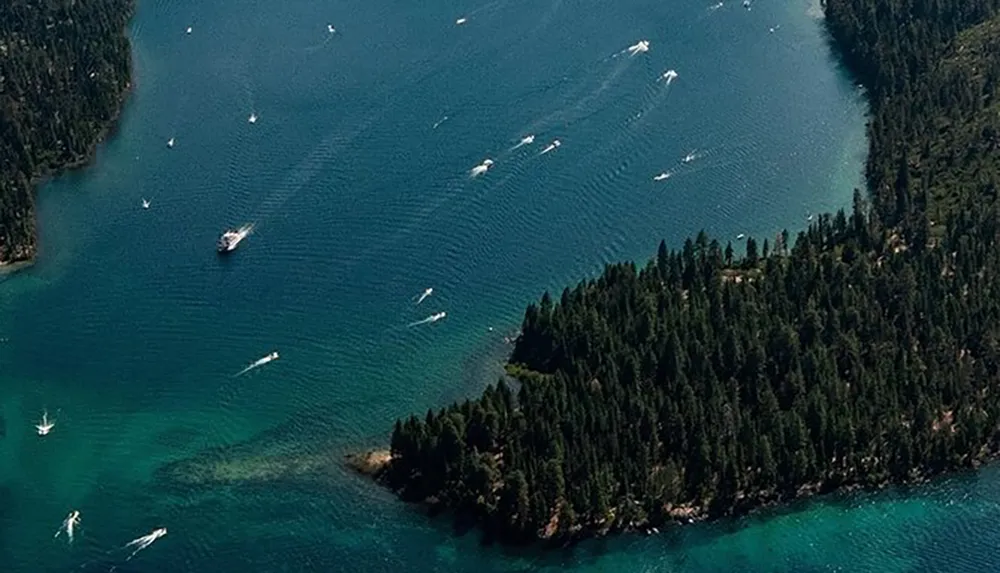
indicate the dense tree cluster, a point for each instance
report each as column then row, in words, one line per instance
column 704, row 384
column 64, row 70
column 934, row 128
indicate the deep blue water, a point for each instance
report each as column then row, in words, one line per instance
column 130, row 328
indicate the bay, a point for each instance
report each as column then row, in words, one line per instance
column 129, row 329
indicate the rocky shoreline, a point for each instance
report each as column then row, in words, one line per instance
column 370, row 463
column 373, row 463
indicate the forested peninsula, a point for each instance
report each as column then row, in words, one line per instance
column 705, row 384
column 65, row 68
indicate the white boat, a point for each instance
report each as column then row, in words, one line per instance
column 170, row 142
column 46, row 425
column 252, row 118
column 427, row 292
column 330, row 28
column 740, row 237
column 258, row 363
column 689, row 157
column 145, row 203
column 231, row 239
column 638, row 48
column 69, row 525
column 662, row 176
column 188, row 30
column 460, row 21
column 551, row 147
column 481, row 168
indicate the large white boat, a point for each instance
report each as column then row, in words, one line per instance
column 231, row 239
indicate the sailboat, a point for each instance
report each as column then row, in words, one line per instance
column 170, row 142
column 145, row 203
column 253, row 118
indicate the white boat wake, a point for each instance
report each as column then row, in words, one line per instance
column 489, row 8
column 269, row 358
column 140, row 543
column 439, row 122
column 424, row 295
column 429, row 319
column 231, row 239
column 45, row 426
column 308, row 168
column 526, row 140
column 640, row 47
column 587, row 84
column 330, row 32
column 481, row 168
column 551, row 147
column 69, row 525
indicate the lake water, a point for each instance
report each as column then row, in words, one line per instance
column 130, row 328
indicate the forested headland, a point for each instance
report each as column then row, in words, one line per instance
column 65, row 68
column 704, row 384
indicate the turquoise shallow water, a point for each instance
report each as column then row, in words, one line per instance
column 129, row 328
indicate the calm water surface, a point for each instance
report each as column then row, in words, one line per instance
column 130, row 328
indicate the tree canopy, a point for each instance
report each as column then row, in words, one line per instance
column 64, row 70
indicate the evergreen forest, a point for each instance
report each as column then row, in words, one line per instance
column 64, row 71
column 863, row 352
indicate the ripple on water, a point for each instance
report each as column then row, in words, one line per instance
column 138, row 327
